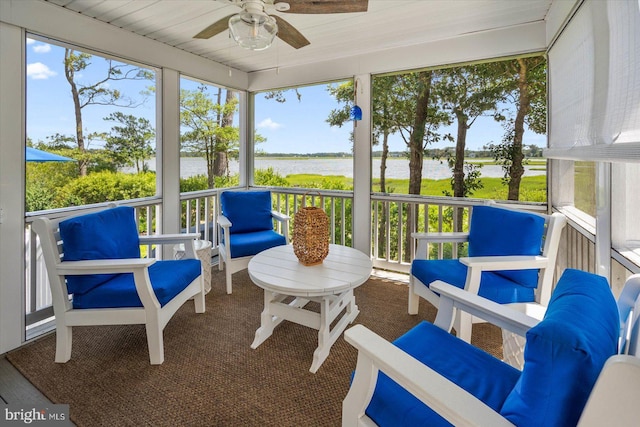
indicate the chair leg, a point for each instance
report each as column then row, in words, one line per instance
column 64, row 335
column 414, row 299
column 155, row 340
column 228, row 277
column 199, row 298
column 463, row 324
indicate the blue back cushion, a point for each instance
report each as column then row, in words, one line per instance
column 248, row 211
column 496, row 231
column 565, row 353
column 108, row 234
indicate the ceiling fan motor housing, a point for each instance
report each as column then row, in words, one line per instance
column 252, row 28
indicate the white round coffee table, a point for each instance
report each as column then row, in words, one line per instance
column 331, row 284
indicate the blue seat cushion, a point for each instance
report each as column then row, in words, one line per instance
column 248, row 244
column 248, row 211
column 108, row 234
column 168, row 279
column 492, row 286
column 477, row 372
column 565, row 353
column 495, row 231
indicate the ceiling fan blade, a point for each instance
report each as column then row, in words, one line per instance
column 289, row 34
column 326, row 6
column 215, row 28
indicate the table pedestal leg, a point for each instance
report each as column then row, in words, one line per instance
column 330, row 308
column 274, row 312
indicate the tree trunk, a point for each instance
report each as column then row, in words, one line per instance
column 383, row 161
column 70, row 75
column 218, row 162
column 382, row 219
column 524, row 104
column 416, row 142
column 210, row 157
column 227, row 121
column 416, row 151
column 458, row 167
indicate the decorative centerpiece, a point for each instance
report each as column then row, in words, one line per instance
column 311, row 235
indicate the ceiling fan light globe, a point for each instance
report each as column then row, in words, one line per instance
column 253, row 30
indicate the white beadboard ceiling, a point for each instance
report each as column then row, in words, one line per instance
column 386, row 25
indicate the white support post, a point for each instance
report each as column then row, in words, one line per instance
column 362, row 167
column 168, row 154
column 247, row 145
column 12, row 163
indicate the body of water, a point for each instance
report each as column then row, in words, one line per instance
column 396, row 168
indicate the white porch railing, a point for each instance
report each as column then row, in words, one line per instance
column 393, row 218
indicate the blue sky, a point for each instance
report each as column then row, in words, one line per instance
column 290, row 127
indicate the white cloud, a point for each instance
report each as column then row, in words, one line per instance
column 269, row 124
column 30, row 41
column 42, row 48
column 39, row 71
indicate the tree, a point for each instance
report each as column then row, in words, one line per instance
column 97, row 93
column 209, row 129
column 526, row 87
column 130, row 144
column 467, row 93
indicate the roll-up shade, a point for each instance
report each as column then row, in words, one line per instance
column 594, row 83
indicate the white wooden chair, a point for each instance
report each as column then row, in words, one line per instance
column 572, row 374
column 246, row 228
column 512, row 255
column 90, row 255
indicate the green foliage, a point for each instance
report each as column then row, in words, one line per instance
column 44, row 182
column 269, row 177
column 38, row 198
column 585, row 182
column 193, row 183
column 106, row 186
column 471, row 182
column 333, row 182
column 130, row 144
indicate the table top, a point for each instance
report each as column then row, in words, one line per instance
column 278, row 269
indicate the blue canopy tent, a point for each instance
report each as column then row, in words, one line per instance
column 35, row 155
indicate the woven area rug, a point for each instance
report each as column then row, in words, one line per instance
column 211, row 376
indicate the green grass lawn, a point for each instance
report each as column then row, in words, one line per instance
column 532, row 189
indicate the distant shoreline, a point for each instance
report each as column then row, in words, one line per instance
column 344, row 166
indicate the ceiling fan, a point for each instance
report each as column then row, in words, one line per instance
column 254, row 29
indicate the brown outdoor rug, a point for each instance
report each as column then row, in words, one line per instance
column 211, row 376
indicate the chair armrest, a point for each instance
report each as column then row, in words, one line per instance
column 500, row 315
column 280, row 216
column 510, row 262
column 441, row 237
column 223, row 221
column 186, row 239
column 284, row 223
column 103, row 266
column 453, row 403
column 422, row 251
column 168, row 238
